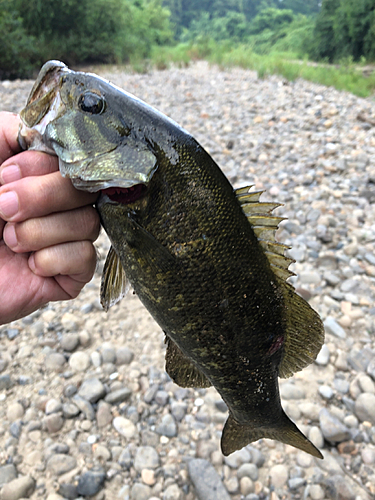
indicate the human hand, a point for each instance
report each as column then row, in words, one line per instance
column 47, row 229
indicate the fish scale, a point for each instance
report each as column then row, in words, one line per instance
column 201, row 256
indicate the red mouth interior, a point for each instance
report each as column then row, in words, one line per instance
column 125, row 195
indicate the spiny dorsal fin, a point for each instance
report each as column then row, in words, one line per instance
column 265, row 226
column 114, row 285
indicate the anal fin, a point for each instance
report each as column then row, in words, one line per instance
column 181, row 370
column 235, row 436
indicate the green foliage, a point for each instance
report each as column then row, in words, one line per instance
column 79, row 31
column 17, row 53
column 270, row 19
column 344, row 28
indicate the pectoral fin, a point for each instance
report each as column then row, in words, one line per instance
column 235, row 436
column 114, row 285
column 181, row 370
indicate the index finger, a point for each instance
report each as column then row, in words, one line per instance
column 27, row 164
column 9, row 124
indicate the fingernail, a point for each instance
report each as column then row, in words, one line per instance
column 9, row 236
column 10, row 173
column 8, row 204
column 31, row 263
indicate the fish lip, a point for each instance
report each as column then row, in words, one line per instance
column 96, row 186
column 44, row 100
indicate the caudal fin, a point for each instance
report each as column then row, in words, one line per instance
column 235, row 436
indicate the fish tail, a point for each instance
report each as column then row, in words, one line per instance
column 235, row 436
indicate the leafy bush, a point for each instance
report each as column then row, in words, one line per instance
column 18, row 53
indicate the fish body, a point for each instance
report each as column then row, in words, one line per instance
column 200, row 255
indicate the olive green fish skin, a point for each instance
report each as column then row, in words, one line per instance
column 216, row 296
column 187, row 249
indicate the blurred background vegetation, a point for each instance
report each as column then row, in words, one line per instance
column 283, row 36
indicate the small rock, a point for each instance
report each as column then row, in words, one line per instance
column 172, row 492
column 22, row 487
column 140, row 492
column 326, row 392
column 148, row 477
column 146, row 457
column 248, row 470
column 232, row 485
column 85, row 407
column 15, row 411
column 124, row 356
column 366, row 384
column 331, row 326
column 246, row 486
column 54, row 422
column 103, row 414
column 53, row 406
column 55, row 361
column 178, row 410
column 279, row 475
column 206, row 481
column 291, row 391
column 91, row 482
column 7, row 473
column 102, row 452
column 70, row 410
column 92, row 390
column 365, row 407
column 79, row 361
column 237, row 458
column 124, row 426
column 167, row 427
column 322, row 358
column 333, row 430
column 118, row 396
column 69, row 342
column 316, row 492
column 161, row 398
column 60, row 463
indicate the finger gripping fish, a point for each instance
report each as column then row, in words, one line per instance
column 201, row 256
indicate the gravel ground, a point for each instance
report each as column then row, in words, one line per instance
column 86, row 407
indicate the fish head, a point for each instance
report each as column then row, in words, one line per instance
column 94, row 128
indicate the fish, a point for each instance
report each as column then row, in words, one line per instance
column 201, row 256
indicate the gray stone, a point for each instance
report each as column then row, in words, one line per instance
column 206, row 481
column 333, row 430
column 79, row 361
column 279, row 475
column 92, row 390
column 53, row 422
column 91, row 482
column 326, row 392
column 103, row 414
column 178, row 410
column 365, row 407
column 316, row 492
column 108, row 354
column 167, row 427
column 7, row 473
column 296, row 482
column 341, row 385
column 366, row 384
column 60, row 463
column 291, row 391
column 55, row 361
column 118, row 396
column 173, row 492
column 69, row 342
column 146, row 457
column 85, row 407
column 53, row 406
column 125, row 427
column 70, row 410
column 248, row 470
column 161, row 398
column 237, row 458
column 5, row 382
column 124, row 356
column 322, row 358
column 360, row 360
column 339, row 487
column 331, row 326
column 22, row 487
column 140, row 492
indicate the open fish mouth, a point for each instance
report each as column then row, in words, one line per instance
column 124, row 196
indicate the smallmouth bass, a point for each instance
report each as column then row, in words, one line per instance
column 201, row 256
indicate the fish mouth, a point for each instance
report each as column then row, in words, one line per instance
column 43, row 105
column 125, row 196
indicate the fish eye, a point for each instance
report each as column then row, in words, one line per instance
column 92, row 103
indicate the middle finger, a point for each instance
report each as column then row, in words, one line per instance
column 35, row 234
column 38, row 196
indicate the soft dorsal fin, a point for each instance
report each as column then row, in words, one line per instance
column 265, row 225
column 114, row 285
